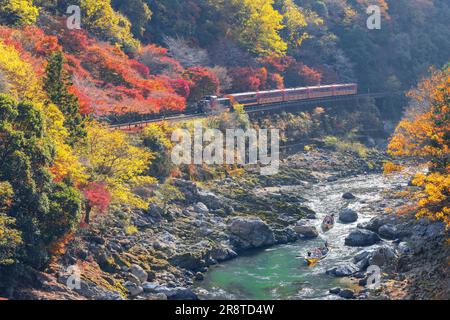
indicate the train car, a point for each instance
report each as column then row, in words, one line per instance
column 211, row 103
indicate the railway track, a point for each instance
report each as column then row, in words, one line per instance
column 251, row 110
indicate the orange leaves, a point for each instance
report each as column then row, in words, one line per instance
column 425, row 135
column 390, row 167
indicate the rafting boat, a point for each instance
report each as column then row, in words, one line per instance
column 328, row 223
column 312, row 261
column 327, row 226
column 317, row 255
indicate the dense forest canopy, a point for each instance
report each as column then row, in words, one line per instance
column 141, row 52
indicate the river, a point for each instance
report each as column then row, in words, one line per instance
column 280, row 272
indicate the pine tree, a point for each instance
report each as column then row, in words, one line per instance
column 57, row 83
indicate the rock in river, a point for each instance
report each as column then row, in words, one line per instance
column 246, row 233
column 348, row 196
column 348, row 216
column 344, row 270
column 306, row 231
column 361, row 238
column 347, row 294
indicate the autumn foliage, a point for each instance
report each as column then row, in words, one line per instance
column 202, row 82
column 98, row 196
column 424, row 134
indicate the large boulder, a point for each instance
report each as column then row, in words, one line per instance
column 361, row 238
column 382, row 256
column 344, row 270
column 348, row 216
column 373, row 225
column 361, row 260
column 201, row 208
column 305, row 230
column 190, row 260
column 286, row 235
column 404, row 249
column 222, row 253
column 210, row 199
column 133, row 289
column 246, row 233
column 388, row 231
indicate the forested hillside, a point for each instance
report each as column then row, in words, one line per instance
column 60, row 164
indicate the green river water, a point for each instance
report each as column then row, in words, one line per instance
column 280, row 272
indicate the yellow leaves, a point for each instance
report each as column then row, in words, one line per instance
column 295, row 23
column 18, row 12
column 102, row 20
column 261, row 29
column 110, row 158
column 23, row 84
column 255, row 24
column 21, row 79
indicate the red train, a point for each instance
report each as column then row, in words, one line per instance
column 212, row 103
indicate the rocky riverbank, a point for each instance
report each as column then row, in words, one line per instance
column 159, row 253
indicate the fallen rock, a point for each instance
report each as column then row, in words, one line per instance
column 133, row 289
column 246, row 233
column 361, row 238
column 150, row 286
column 191, row 261
column 132, row 278
column 348, row 196
column 199, row 276
column 348, row 216
column 155, row 213
column 210, row 199
column 201, row 208
column 139, row 273
column 361, row 260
